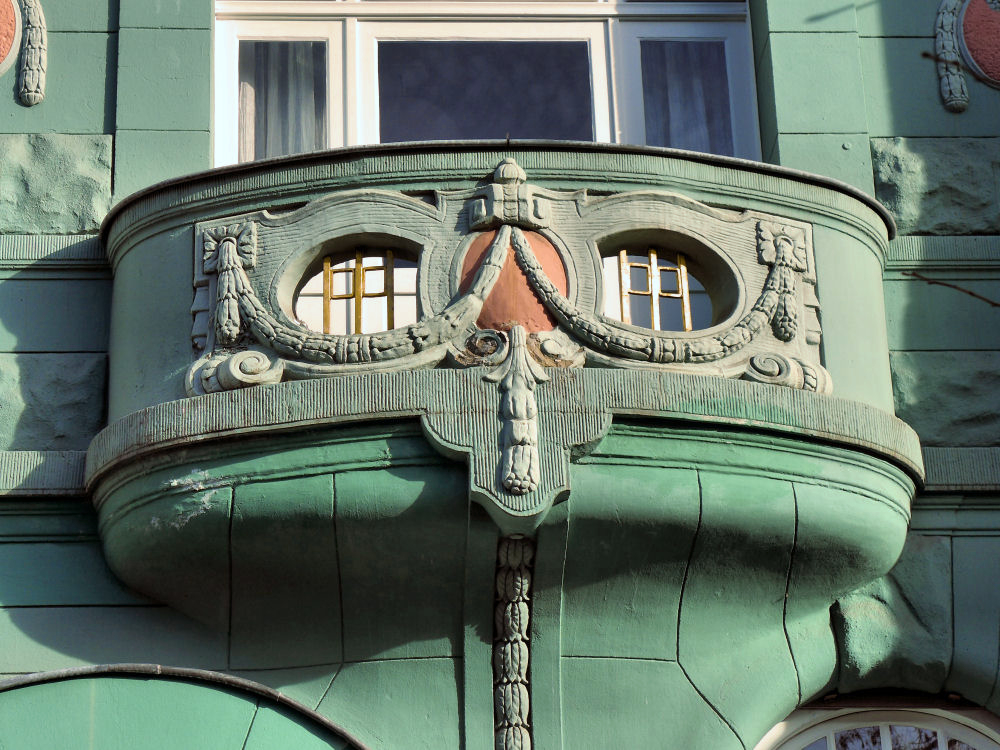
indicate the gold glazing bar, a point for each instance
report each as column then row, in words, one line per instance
column 358, row 287
column 327, row 289
column 653, row 282
column 387, row 287
column 685, row 292
column 623, row 286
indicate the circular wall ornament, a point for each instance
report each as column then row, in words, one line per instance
column 980, row 39
column 10, row 33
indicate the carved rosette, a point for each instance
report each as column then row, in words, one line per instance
column 511, row 645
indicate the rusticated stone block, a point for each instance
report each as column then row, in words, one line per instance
column 939, row 185
column 54, row 183
column 51, row 401
column 949, row 398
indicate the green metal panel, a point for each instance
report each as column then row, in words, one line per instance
column 79, row 89
column 74, row 15
column 933, row 317
column 901, row 89
column 626, row 557
column 807, row 98
column 280, row 618
column 77, row 323
column 169, row 14
column 273, row 729
column 144, row 157
column 854, row 334
column 307, row 685
column 121, row 713
column 419, row 574
column 759, row 536
column 624, row 718
column 844, row 157
column 38, row 639
column 173, row 63
column 400, row 703
column 164, row 320
column 67, row 573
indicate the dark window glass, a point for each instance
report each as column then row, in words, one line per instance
column 443, row 90
column 685, row 91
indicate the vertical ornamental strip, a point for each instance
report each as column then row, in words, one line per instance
column 511, row 695
column 34, row 54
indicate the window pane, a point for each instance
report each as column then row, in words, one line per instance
column 283, row 108
column 913, row 738
column 957, row 745
column 863, row 738
column 641, row 311
column 444, row 90
column 686, row 95
column 819, row 744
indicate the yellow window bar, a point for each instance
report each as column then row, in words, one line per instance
column 358, row 292
column 653, row 288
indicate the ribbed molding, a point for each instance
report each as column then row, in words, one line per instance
column 434, row 166
column 944, row 253
column 73, row 250
column 381, row 396
column 42, row 472
column 956, row 469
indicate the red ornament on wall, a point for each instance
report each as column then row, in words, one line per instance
column 10, row 33
column 981, row 39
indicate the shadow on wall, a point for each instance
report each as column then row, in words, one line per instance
column 931, row 623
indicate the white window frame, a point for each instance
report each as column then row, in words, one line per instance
column 612, row 29
column 974, row 726
column 734, row 35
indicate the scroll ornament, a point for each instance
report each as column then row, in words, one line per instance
column 34, row 54
column 777, row 369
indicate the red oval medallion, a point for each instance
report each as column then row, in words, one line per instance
column 981, row 32
column 10, row 27
column 512, row 300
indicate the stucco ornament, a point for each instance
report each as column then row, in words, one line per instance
column 34, row 54
column 966, row 38
column 511, row 649
column 535, row 245
column 10, row 33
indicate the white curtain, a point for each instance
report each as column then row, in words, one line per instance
column 686, row 95
column 283, row 107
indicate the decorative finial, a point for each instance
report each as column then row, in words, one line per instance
column 509, row 172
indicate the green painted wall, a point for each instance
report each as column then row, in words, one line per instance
column 843, row 90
